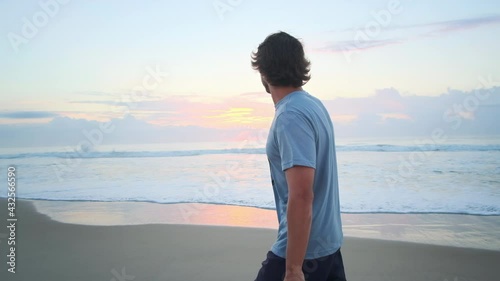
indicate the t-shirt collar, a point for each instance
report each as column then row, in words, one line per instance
column 287, row 97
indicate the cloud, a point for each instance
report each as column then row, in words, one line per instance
column 348, row 45
column 198, row 110
column 397, row 34
column 102, row 102
column 387, row 113
column 27, row 114
column 453, row 25
column 73, row 133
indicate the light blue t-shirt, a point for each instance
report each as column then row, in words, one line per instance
column 302, row 135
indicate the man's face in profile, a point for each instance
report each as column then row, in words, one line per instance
column 265, row 84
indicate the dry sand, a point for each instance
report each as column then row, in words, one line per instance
column 52, row 251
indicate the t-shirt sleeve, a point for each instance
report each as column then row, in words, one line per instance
column 296, row 141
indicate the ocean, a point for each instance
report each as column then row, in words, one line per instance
column 456, row 176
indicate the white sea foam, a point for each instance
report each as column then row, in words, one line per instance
column 261, row 150
column 454, row 178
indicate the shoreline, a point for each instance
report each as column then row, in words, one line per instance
column 244, row 206
column 469, row 231
column 51, row 250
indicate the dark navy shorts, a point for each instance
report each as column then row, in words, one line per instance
column 328, row 268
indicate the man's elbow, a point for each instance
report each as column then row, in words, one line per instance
column 305, row 197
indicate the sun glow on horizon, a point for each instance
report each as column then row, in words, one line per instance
column 238, row 116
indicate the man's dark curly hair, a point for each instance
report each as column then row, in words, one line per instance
column 281, row 60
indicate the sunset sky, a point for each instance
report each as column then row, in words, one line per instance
column 187, row 63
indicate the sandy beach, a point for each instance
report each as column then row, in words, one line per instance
column 51, row 250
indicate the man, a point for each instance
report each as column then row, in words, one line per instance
column 301, row 153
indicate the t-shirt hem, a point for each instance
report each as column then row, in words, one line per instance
column 305, row 163
column 310, row 256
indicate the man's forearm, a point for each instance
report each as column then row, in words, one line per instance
column 299, row 215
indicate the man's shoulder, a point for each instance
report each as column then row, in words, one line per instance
column 302, row 104
column 295, row 102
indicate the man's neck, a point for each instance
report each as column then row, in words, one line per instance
column 278, row 93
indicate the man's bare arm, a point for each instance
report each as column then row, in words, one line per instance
column 299, row 215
